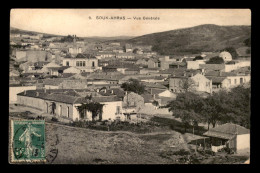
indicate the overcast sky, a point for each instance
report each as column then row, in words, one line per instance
column 76, row 21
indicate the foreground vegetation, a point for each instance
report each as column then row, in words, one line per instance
column 221, row 107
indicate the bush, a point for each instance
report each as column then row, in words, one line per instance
column 181, row 152
column 228, row 150
column 210, row 152
column 54, row 119
column 39, row 118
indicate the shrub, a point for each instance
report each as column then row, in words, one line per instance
column 210, row 152
column 181, row 152
column 54, row 119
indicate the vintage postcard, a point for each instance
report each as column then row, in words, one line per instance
column 129, row 86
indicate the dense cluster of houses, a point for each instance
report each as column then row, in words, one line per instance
column 44, row 71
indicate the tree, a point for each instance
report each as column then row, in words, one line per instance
column 232, row 51
column 239, row 105
column 94, row 107
column 155, row 103
column 133, row 85
column 187, row 108
column 215, row 60
column 198, row 58
column 247, row 42
column 225, row 107
column 187, row 85
column 135, row 50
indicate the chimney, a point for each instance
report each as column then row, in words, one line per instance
column 24, row 92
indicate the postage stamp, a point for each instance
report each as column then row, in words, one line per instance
column 27, row 141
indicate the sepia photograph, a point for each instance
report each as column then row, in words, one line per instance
column 129, row 86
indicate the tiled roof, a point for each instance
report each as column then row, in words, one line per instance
column 227, row 131
column 40, row 63
column 54, row 82
column 67, row 75
column 106, row 75
column 212, row 73
column 154, row 60
column 58, row 68
column 148, row 98
column 216, row 79
column 157, row 91
column 125, row 54
column 154, row 85
column 116, row 91
column 67, row 96
column 68, row 56
column 212, row 66
column 178, row 63
column 132, row 69
column 166, row 100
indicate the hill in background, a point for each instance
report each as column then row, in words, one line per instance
column 90, row 39
column 195, row 39
column 20, row 31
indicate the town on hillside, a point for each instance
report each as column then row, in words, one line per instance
column 124, row 102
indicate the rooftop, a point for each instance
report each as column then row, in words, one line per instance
column 71, row 96
column 227, row 131
column 212, row 66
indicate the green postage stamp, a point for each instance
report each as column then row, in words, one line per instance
column 27, row 141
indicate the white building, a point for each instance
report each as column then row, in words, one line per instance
column 226, row 56
column 84, row 62
column 66, row 105
column 231, row 136
column 14, row 90
column 194, row 64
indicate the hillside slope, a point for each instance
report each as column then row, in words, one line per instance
column 195, row 39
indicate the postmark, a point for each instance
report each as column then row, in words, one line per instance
column 28, row 141
column 53, row 153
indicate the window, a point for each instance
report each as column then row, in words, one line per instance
column 67, row 63
column 241, row 80
column 77, row 63
column 60, row 110
column 80, row 63
column 93, row 64
column 118, row 109
column 84, row 63
column 235, row 81
column 47, row 107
